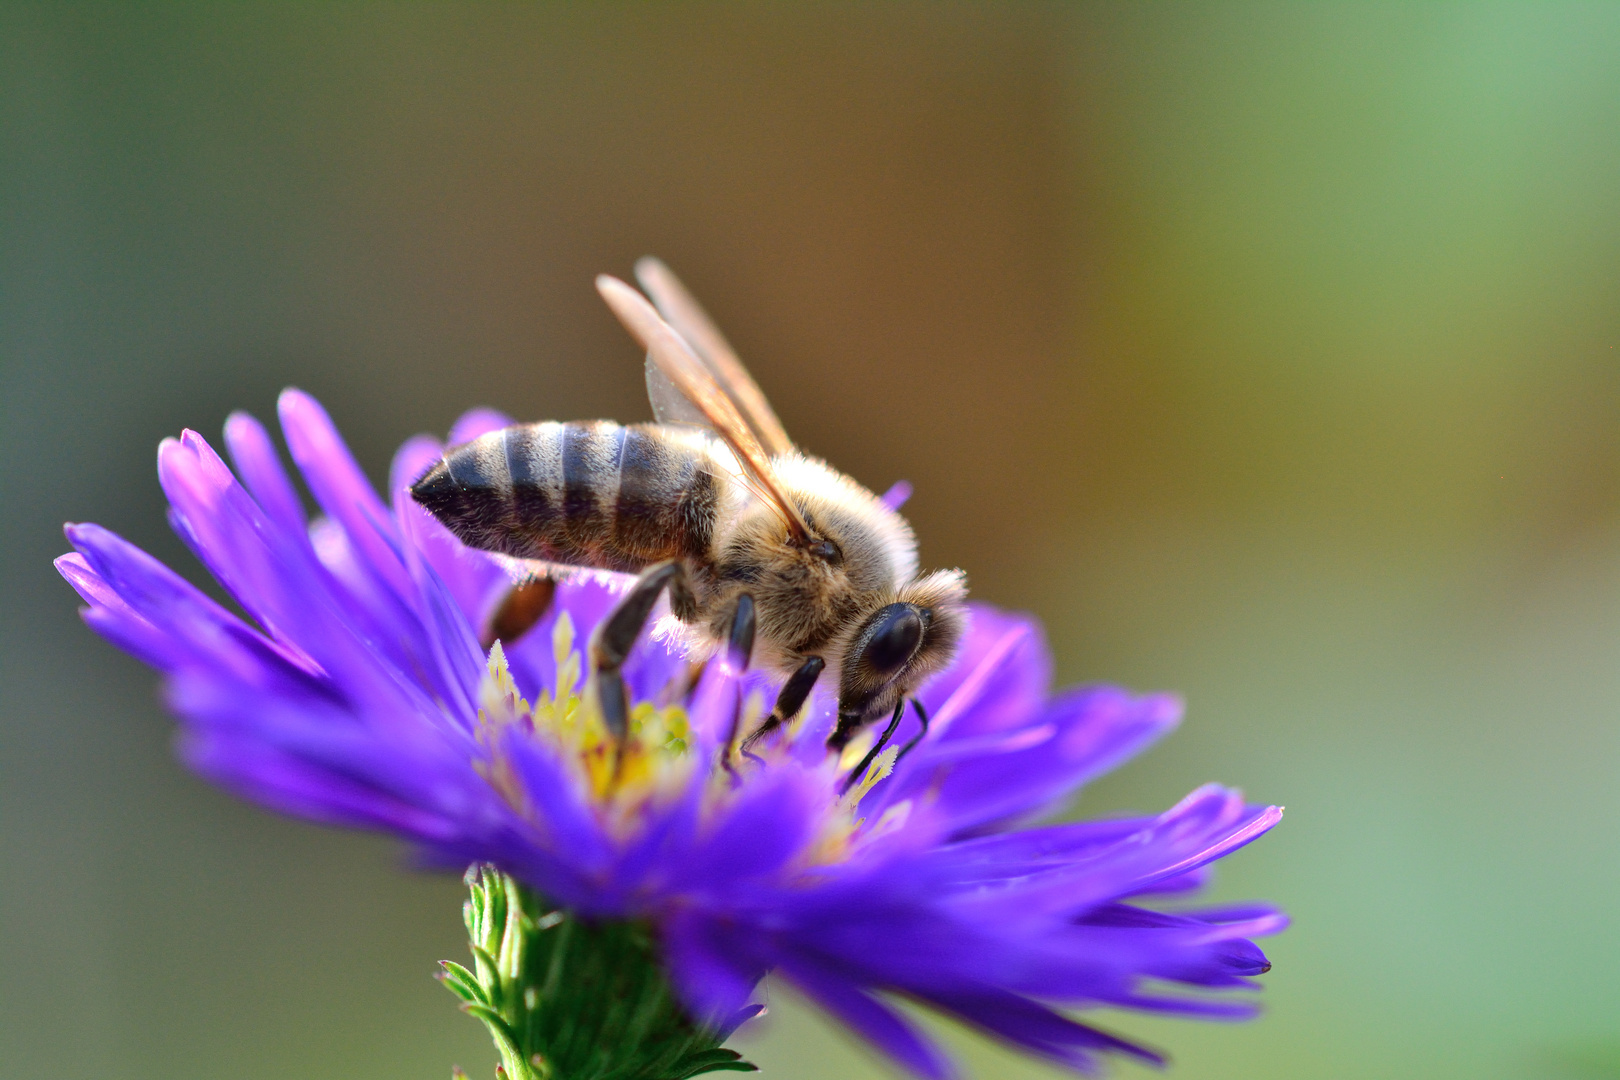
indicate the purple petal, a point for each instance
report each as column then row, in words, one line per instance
column 168, row 620
column 1011, row 774
column 767, row 824
column 559, row 803
column 260, row 468
column 1027, row 851
column 286, row 783
column 999, row 680
column 871, row 1019
column 714, row 708
column 276, row 578
column 706, row 974
column 1208, row 824
column 650, row 860
column 456, row 662
column 475, row 579
column 340, row 487
column 1035, row 1027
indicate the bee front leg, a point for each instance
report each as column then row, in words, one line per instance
column 877, row 747
column 792, row 698
column 617, row 635
column 844, row 730
column 922, row 720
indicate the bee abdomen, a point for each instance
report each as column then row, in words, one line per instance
column 585, row 493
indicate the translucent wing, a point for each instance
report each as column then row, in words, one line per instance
column 668, row 404
column 691, row 322
column 676, row 361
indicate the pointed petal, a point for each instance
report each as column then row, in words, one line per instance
column 1039, row 1029
column 337, row 483
column 712, row 977
column 869, row 1018
column 1012, row 774
column 259, row 466
column 766, row 826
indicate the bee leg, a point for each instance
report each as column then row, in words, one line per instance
column 922, row 718
column 519, row 611
column 739, row 647
column 848, row 721
column 790, row 700
column 617, row 635
column 877, row 747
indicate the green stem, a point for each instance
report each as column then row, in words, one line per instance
column 570, row 999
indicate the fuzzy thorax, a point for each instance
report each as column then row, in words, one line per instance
column 811, row 605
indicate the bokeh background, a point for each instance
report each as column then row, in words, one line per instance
column 1269, row 353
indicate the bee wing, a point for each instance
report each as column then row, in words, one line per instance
column 687, row 317
column 669, row 405
column 677, row 362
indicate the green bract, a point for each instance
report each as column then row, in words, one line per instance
column 571, row 999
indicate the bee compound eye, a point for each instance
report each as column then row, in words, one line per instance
column 896, row 633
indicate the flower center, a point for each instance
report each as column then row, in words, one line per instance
column 619, row 778
column 656, row 759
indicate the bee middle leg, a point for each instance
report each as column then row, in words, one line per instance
column 739, row 647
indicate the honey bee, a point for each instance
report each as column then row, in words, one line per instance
column 766, row 552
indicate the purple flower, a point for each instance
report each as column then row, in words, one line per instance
column 355, row 693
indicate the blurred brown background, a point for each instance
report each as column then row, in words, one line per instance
column 1268, row 353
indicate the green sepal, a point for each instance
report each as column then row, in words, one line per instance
column 566, row 998
column 489, row 970
column 461, row 982
column 506, row 1042
column 718, row 1060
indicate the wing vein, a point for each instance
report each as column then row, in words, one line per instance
column 675, row 358
column 688, row 319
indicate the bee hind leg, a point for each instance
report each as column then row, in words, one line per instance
column 617, row 635
column 524, row 606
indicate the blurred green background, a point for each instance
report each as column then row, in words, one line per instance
column 1267, row 352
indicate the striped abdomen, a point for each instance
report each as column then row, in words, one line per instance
column 585, row 493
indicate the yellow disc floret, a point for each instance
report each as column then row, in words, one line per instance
column 619, row 778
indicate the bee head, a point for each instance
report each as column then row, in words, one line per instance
column 899, row 644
